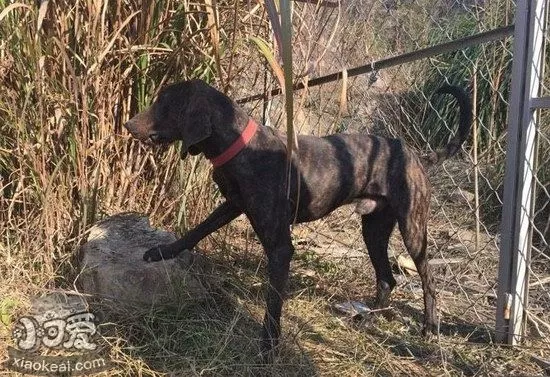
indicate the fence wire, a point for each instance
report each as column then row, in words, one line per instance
column 398, row 102
column 539, row 270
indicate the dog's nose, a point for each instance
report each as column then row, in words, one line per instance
column 131, row 127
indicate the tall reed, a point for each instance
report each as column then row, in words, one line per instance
column 72, row 73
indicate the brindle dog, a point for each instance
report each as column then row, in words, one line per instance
column 385, row 179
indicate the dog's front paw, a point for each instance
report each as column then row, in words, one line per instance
column 158, row 253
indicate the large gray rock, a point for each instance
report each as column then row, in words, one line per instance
column 112, row 264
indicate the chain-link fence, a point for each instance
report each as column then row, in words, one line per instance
column 539, row 271
column 399, row 102
column 525, row 217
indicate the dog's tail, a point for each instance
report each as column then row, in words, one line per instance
column 464, row 125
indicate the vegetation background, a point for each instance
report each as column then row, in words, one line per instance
column 72, row 72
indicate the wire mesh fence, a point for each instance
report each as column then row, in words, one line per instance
column 539, row 284
column 538, row 293
column 400, row 102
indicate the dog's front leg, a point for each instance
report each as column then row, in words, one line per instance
column 278, row 265
column 271, row 225
column 222, row 215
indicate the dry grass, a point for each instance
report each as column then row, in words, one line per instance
column 73, row 72
column 217, row 336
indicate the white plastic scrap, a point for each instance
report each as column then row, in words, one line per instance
column 353, row 308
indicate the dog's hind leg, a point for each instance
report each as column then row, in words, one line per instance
column 414, row 232
column 377, row 229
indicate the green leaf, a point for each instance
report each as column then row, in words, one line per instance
column 264, row 49
column 7, row 306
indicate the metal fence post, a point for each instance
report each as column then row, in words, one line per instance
column 518, row 203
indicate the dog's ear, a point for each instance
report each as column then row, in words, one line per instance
column 197, row 125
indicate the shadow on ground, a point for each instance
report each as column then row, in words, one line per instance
column 214, row 336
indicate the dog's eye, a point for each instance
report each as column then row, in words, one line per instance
column 162, row 97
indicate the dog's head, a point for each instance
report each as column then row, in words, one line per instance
column 181, row 111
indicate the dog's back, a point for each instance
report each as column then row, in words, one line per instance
column 344, row 168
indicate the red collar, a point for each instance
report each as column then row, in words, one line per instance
column 237, row 146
